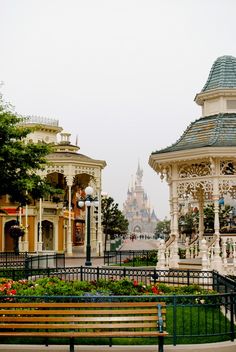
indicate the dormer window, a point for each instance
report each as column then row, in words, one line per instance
column 65, row 138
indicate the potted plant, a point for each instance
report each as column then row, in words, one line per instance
column 16, row 231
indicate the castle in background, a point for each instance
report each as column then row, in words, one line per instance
column 137, row 210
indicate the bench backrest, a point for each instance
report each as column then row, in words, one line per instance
column 102, row 316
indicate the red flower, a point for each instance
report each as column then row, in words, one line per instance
column 135, row 283
column 155, row 290
column 12, row 292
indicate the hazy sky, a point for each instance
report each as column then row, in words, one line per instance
column 120, row 74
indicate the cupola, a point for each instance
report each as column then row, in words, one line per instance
column 219, row 93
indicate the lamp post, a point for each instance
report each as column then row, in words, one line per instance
column 88, row 201
column 230, row 218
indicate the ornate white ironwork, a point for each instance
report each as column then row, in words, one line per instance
column 228, row 187
column 195, row 170
column 194, row 188
column 228, row 167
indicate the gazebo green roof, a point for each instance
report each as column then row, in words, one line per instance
column 222, row 74
column 211, row 131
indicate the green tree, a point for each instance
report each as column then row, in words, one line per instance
column 19, row 162
column 163, row 227
column 113, row 220
column 224, row 216
column 188, row 223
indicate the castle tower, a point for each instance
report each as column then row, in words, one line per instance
column 142, row 220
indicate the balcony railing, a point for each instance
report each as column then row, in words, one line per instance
column 40, row 120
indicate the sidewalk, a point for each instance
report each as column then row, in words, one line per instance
column 216, row 347
column 78, row 258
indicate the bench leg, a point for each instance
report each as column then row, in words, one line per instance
column 160, row 343
column 72, row 349
column 46, row 341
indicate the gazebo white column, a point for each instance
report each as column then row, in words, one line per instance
column 171, row 207
column 175, row 204
column 69, row 180
column 201, row 218
column 39, row 229
column 175, row 227
column 99, row 227
column 25, row 243
column 217, row 261
column 21, row 244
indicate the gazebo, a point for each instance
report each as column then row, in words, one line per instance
column 200, row 168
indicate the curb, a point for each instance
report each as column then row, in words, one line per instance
column 226, row 346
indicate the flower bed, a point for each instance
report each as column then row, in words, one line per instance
column 54, row 286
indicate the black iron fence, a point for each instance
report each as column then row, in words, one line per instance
column 30, row 260
column 144, row 275
column 132, row 257
column 55, row 261
column 190, row 318
column 223, row 284
column 10, row 259
column 34, row 266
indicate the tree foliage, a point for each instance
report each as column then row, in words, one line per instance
column 113, row 220
column 188, row 223
column 19, row 162
column 224, row 216
column 163, row 227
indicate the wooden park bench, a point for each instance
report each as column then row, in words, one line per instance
column 89, row 320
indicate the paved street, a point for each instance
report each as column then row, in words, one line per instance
column 78, row 257
column 139, row 244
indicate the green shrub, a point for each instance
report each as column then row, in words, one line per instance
column 54, row 286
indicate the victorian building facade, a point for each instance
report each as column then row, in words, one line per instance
column 136, row 209
column 200, row 167
column 57, row 223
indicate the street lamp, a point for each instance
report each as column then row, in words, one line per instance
column 230, row 218
column 88, row 201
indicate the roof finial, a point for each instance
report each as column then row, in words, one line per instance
column 76, row 140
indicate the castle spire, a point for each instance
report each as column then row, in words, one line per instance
column 139, row 175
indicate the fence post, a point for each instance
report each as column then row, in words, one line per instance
column 174, row 321
column 188, row 277
column 81, row 273
column 97, row 273
column 213, row 280
column 155, row 276
column 124, row 272
column 232, row 308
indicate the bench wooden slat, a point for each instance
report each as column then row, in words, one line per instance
column 79, row 312
column 79, row 326
column 83, row 305
column 87, row 334
column 78, row 319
